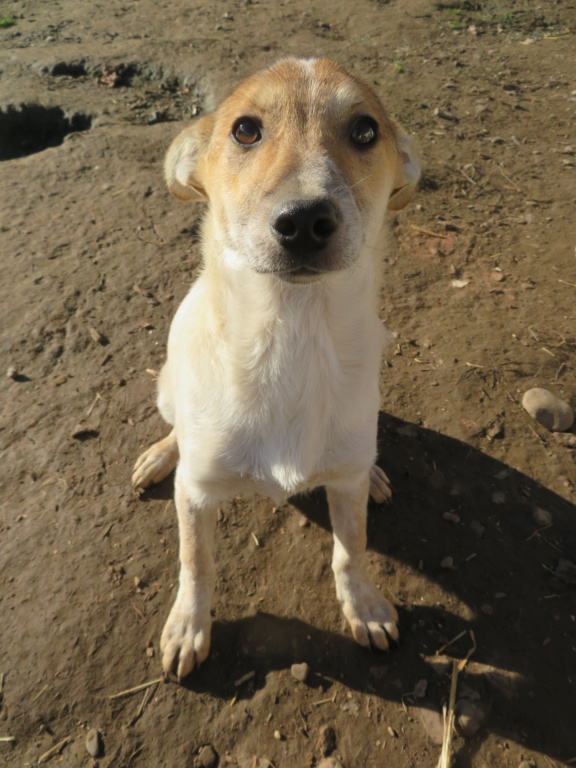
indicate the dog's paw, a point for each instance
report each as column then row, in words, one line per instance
column 185, row 641
column 380, row 490
column 373, row 620
column 156, row 463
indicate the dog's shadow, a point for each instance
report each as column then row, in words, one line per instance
column 511, row 541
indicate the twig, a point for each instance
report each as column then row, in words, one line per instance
column 138, row 688
column 467, row 177
column 244, row 679
column 7, row 739
column 324, row 701
column 444, row 761
column 98, row 397
column 465, row 660
column 39, row 694
column 429, row 232
column 572, row 285
column 1, row 683
column 514, row 185
column 56, row 749
column 450, row 642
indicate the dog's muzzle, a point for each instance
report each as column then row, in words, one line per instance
column 304, row 228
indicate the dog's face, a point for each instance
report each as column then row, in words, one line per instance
column 299, row 165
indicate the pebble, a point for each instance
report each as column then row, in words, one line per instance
column 469, row 717
column 452, row 517
column 477, row 529
column 420, row 688
column 542, row 516
column 278, row 736
column 548, row 410
column 566, row 571
column 207, row 758
column 448, row 562
column 433, row 725
column 93, row 742
column 300, row 672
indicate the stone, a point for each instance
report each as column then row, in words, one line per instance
column 469, row 717
column 433, row 725
column 548, row 410
column 207, row 758
column 93, row 743
column 300, row 672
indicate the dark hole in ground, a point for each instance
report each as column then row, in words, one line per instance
column 30, row 128
column 69, row 69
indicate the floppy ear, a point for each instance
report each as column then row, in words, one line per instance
column 407, row 172
column 181, row 166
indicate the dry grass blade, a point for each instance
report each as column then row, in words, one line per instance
column 444, row 761
column 138, row 688
column 429, row 232
column 56, row 749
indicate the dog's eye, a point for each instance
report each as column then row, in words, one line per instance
column 364, row 132
column 246, row 131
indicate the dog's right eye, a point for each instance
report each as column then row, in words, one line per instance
column 246, row 131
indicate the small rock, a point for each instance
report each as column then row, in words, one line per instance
column 300, row 672
column 433, row 725
column 566, row 571
column 452, row 517
column 444, row 114
column 326, row 743
column 12, row 372
column 448, row 562
column 207, row 758
column 93, row 742
column 548, row 410
column 477, row 529
column 542, row 516
column 278, row 736
column 330, row 762
column 420, row 688
column 469, row 717
column 498, row 497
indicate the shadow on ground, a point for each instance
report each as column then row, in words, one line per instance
column 505, row 573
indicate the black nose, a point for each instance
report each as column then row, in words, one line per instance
column 304, row 226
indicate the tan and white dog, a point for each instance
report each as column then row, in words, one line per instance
column 272, row 377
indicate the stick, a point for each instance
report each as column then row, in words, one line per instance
column 465, row 660
column 39, row 694
column 429, row 232
column 450, row 642
column 54, row 750
column 444, row 761
column 7, row 739
column 138, row 688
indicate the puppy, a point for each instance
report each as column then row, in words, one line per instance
column 271, row 378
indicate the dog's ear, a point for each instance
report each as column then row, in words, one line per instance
column 181, row 166
column 407, row 172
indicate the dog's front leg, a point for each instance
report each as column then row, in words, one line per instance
column 186, row 637
column 372, row 618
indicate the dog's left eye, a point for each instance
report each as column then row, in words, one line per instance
column 246, row 131
column 364, row 132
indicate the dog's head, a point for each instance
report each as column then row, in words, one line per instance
column 299, row 164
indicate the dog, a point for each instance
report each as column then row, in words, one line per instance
column 271, row 382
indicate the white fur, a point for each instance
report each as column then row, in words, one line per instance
column 272, row 388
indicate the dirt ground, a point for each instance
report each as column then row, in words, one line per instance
column 481, row 290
